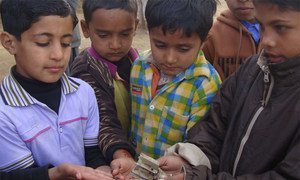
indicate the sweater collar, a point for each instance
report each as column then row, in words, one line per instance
column 132, row 55
column 13, row 94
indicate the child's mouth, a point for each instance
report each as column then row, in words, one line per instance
column 276, row 58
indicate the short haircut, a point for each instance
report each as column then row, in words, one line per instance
column 89, row 6
column 187, row 15
column 282, row 4
column 19, row 15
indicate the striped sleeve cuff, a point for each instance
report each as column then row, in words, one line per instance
column 88, row 142
column 20, row 164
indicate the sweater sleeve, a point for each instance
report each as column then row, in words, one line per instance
column 111, row 135
column 94, row 157
column 26, row 174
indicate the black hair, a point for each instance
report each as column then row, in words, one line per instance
column 282, row 4
column 89, row 6
column 187, row 15
column 19, row 15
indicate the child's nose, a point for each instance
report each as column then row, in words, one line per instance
column 171, row 57
column 267, row 41
column 115, row 44
column 57, row 52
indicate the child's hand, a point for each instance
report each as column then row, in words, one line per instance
column 173, row 167
column 171, row 164
column 70, row 171
column 122, row 167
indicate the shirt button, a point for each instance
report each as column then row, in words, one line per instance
column 152, row 107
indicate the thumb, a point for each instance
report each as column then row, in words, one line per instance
column 115, row 167
column 78, row 176
column 163, row 161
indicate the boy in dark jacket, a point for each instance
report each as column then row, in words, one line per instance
column 252, row 130
column 233, row 37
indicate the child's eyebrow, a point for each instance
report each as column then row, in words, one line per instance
column 157, row 40
column 129, row 29
column 278, row 21
column 51, row 35
column 106, row 31
column 180, row 44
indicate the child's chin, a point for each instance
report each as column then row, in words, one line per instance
column 50, row 79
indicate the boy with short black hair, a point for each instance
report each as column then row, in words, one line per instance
column 111, row 26
column 233, row 37
column 45, row 116
column 172, row 85
column 252, row 130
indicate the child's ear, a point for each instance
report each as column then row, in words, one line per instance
column 136, row 26
column 203, row 42
column 136, row 23
column 8, row 41
column 85, row 28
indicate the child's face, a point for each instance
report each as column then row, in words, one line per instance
column 173, row 52
column 242, row 9
column 111, row 32
column 279, row 32
column 44, row 49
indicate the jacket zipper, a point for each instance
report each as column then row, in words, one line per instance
column 268, row 87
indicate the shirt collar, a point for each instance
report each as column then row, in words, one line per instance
column 13, row 93
column 132, row 55
column 200, row 67
column 253, row 28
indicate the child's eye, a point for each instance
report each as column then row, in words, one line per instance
column 42, row 44
column 160, row 46
column 184, row 49
column 280, row 28
column 102, row 35
column 125, row 34
column 65, row 45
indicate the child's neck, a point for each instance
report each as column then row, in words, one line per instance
column 47, row 93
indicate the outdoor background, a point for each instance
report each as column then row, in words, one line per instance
column 141, row 41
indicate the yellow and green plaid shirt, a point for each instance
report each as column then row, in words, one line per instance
column 161, row 121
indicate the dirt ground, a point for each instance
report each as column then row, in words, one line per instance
column 141, row 42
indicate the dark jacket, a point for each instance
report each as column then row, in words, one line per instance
column 111, row 135
column 228, row 44
column 253, row 129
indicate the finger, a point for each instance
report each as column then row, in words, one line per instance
column 120, row 177
column 103, row 173
column 78, row 176
column 96, row 176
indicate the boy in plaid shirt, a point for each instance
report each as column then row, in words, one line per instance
column 172, row 85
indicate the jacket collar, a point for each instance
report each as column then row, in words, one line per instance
column 285, row 73
column 13, row 93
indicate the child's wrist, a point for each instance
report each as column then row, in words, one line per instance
column 121, row 153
